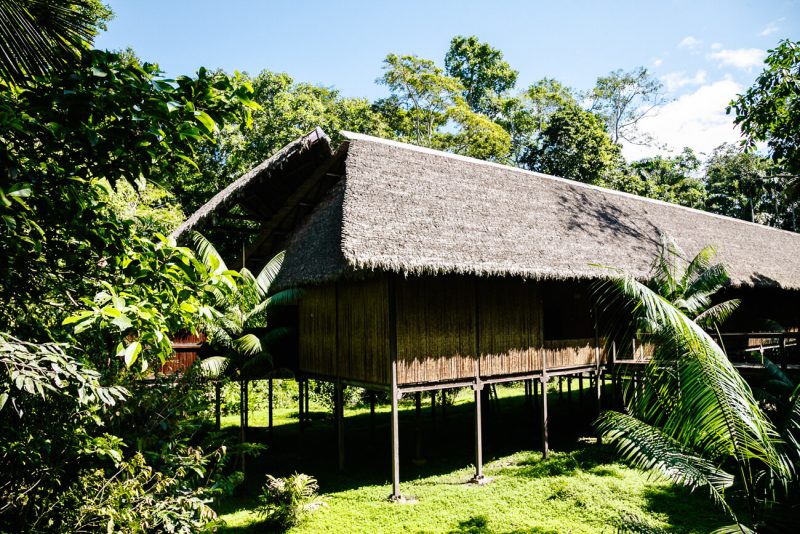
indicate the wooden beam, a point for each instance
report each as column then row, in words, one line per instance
column 291, row 203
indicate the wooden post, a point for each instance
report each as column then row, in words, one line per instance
column 545, row 444
column 598, row 376
column 783, row 353
column 339, row 407
column 444, row 405
column 300, row 403
column 433, row 408
column 395, row 439
column 418, row 458
column 270, row 404
column 478, row 435
column 543, row 379
column 569, row 388
column 395, row 496
column 217, row 400
column 307, row 397
column 372, row 416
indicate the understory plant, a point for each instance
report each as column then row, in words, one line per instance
column 286, row 501
column 695, row 420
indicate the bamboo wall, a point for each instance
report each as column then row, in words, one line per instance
column 442, row 324
column 344, row 331
column 435, row 328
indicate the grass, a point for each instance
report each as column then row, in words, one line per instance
column 580, row 488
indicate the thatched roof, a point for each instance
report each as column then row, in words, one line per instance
column 411, row 210
column 242, row 188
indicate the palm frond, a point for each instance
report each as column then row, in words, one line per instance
column 214, row 366
column 717, row 414
column 699, row 264
column 648, row 448
column 718, row 313
column 208, row 253
column 40, row 36
column 248, row 344
column 269, row 272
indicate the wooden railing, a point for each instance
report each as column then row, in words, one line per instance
column 742, row 348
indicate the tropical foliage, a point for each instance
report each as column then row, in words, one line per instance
column 239, row 325
column 695, row 420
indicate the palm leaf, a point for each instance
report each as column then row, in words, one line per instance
column 40, row 36
column 208, row 253
column 717, row 314
column 269, row 272
column 716, row 414
column 648, row 448
column 214, row 366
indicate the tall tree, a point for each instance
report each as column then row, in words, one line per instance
column 525, row 116
column 743, row 185
column 287, row 110
column 770, row 111
column 575, row 145
column 671, row 179
column 623, row 99
column 423, row 92
column 481, row 70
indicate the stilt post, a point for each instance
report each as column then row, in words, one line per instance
column 478, row 434
column 217, row 400
column 340, row 422
column 270, row 404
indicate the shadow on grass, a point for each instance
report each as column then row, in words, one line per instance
column 447, row 443
column 481, row 524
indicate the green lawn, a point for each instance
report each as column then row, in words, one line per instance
column 580, row 488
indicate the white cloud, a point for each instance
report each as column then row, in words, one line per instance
column 677, row 80
column 690, row 43
column 696, row 120
column 772, row 27
column 740, row 58
column 716, row 46
column 657, row 62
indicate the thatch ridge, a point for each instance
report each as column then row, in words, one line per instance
column 260, row 172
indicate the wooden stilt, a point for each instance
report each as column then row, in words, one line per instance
column 372, row 416
column 545, row 444
column 479, row 478
column 433, row 408
column 561, row 388
column 300, row 403
column 270, row 404
column 395, row 439
column 418, row 458
column 580, row 388
column 569, row 388
column 444, row 405
column 217, row 401
column 339, row 406
column 306, row 412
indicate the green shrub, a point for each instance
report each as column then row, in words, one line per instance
column 285, row 501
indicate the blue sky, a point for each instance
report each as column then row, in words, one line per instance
column 705, row 52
